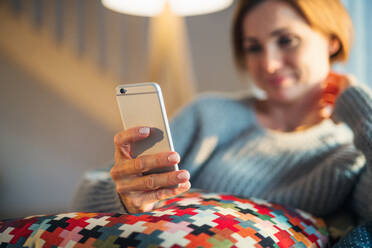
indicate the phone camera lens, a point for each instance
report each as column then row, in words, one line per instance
column 123, row 91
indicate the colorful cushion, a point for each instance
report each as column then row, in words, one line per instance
column 191, row 220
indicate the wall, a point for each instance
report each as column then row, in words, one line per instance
column 54, row 129
column 46, row 144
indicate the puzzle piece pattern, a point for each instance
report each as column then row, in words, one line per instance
column 194, row 219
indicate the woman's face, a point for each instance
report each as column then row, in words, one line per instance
column 283, row 54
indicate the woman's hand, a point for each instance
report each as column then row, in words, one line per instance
column 140, row 193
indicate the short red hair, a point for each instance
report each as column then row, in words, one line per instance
column 329, row 17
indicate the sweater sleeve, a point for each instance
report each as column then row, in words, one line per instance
column 97, row 193
column 354, row 107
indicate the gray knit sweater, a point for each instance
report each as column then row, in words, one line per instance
column 226, row 150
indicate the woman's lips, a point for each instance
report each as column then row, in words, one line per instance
column 276, row 80
column 279, row 81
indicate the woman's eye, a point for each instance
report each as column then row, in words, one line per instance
column 288, row 41
column 252, row 49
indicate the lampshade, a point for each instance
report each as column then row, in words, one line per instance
column 155, row 7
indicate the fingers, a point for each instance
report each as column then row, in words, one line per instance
column 163, row 194
column 152, row 182
column 145, row 201
column 143, row 164
column 124, row 139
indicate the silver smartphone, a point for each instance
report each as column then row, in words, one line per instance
column 143, row 105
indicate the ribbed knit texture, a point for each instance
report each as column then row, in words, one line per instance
column 226, row 150
column 97, row 193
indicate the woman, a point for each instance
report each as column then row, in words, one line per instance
column 307, row 144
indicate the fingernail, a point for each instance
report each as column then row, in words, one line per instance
column 183, row 175
column 184, row 185
column 174, row 158
column 144, row 130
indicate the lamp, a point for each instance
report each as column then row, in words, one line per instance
column 169, row 59
column 155, row 7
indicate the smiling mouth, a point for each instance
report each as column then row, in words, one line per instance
column 280, row 81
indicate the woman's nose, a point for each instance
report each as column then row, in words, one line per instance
column 272, row 61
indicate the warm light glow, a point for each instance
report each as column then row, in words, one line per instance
column 155, row 7
column 136, row 7
column 198, row 7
